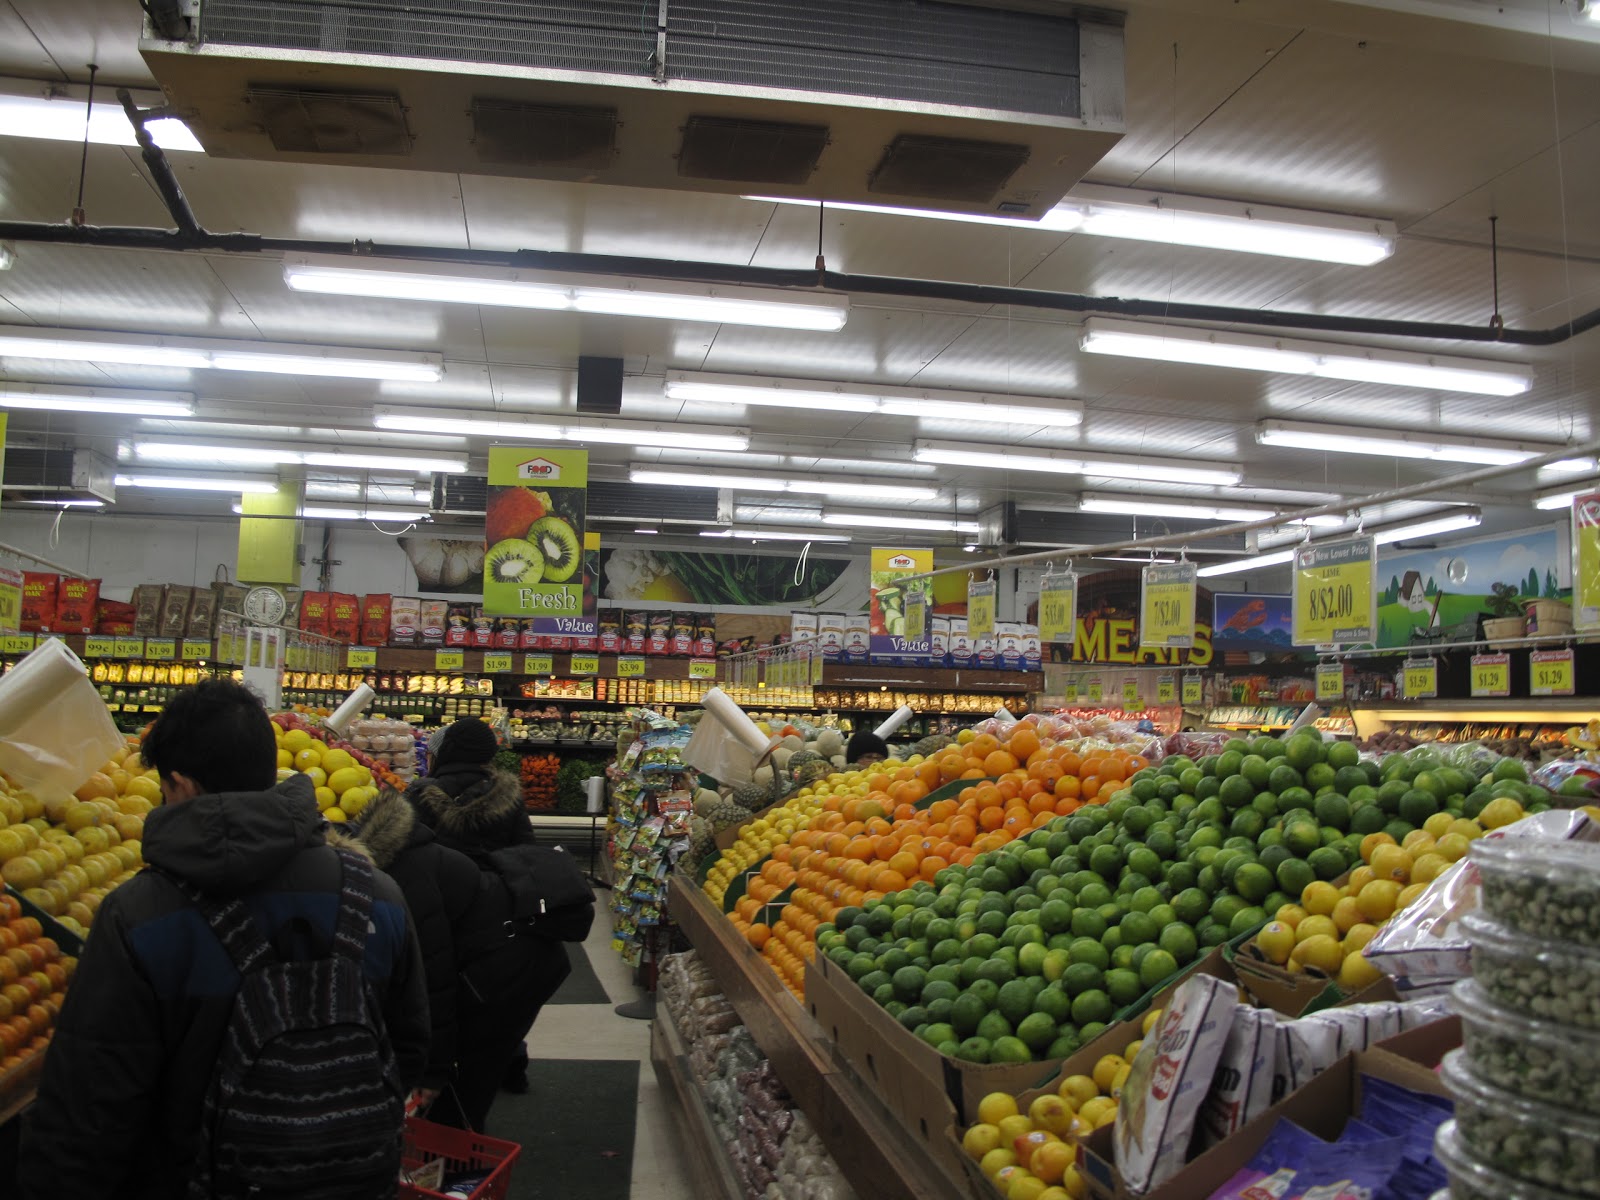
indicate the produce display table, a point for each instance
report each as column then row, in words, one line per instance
column 713, row 1172
column 873, row 1149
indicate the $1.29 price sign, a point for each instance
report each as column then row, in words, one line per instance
column 1491, row 675
column 1550, row 673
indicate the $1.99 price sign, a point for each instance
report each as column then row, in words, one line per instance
column 1550, row 673
column 1491, row 675
column 1333, row 600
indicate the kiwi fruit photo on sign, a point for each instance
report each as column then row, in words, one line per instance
column 533, row 535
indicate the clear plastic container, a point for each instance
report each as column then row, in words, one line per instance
column 1537, row 1143
column 1549, row 981
column 1471, row 1179
column 1546, row 889
column 1536, row 1059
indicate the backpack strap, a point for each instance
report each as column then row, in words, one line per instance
column 230, row 923
column 355, row 906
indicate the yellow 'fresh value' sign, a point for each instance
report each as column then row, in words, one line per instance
column 702, row 668
column 495, row 664
column 1166, row 689
column 585, row 664
column 538, row 664
column 1058, row 608
column 1194, row 690
column 160, row 649
column 1550, row 673
column 1491, row 675
column 361, row 656
column 449, row 660
column 1096, row 692
column 1333, row 600
column 1130, row 694
column 200, row 651
column 980, row 608
column 1166, row 605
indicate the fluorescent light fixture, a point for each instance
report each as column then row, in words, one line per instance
column 61, row 119
column 1464, row 518
column 892, row 521
column 1588, row 10
column 188, row 452
column 62, row 503
column 816, row 395
column 1101, row 502
column 1178, row 220
column 237, row 484
column 153, row 350
column 555, row 427
column 558, row 291
column 758, row 513
column 96, row 400
column 340, row 512
column 1071, row 462
column 1288, row 356
column 815, row 485
column 650, row 531
column 1401, row 443
column 1562, row 497
column 776, row 535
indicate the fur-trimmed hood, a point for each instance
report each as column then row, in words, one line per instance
column 387, row 827
column 487, row 812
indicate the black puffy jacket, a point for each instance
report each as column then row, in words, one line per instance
column 118, row 1115
column 442, row 889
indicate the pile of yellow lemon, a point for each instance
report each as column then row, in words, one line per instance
column 344, row 786
column 757, row 839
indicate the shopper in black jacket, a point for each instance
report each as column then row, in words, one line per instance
column 508, row 976
column 119, row 1109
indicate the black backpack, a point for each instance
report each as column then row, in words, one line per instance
column 549, row 895
column 305, row 1100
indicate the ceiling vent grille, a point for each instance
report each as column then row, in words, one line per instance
column 750, row 151
column 467, row 496
column 544, row 135
column 58, row 473
column 300, row 122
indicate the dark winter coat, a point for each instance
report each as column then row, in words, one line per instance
column 475, row 810
column 442, row 889
column 119, row 1108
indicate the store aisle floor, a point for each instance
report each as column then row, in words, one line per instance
column 575, row 1137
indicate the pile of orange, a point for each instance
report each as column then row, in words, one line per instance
column 868, row 843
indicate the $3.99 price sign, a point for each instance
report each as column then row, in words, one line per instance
column 1167, row 604
column 1333, row 600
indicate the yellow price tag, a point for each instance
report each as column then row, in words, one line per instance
column 631, row 667
column 1491, row 675
column 17, row 643
column 1166, row 689
column 1586, row 561
column 449, row 660
column 702, row 668
column 538, row 664
column 97, row 647
column 980, row 609
column 585, row 664
column 361, row 656
column 1130, row 694
column 1167, row 605
column 916, row 613
column 1194, row 690
column 160, row 649
column 1550, row 673
column 1330, row 681
column 196, row 651
column 497, row 663
column 130, row 648
column 1333, row 599
column 1419, row 678
column 818, row 664
column 1096, row 692
column 1058, row 609
column 10, row 582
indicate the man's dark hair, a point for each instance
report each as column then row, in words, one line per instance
column 865, row 742
column 218, row 734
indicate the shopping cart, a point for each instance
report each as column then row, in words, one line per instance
column 462, row 1152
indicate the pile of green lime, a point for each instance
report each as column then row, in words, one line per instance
column 1033, row 949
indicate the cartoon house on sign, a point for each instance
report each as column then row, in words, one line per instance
column 540, row 469
column 1412, row 594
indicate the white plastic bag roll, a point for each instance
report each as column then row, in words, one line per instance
column 55, row 730
column 733, row 718
column 1004, row 714
column 896, row 719
column 354, row 705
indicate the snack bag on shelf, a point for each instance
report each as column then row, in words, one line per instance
column 202, row 614
column 405, row 620
column 314, row 612
column 344, row 617
column 40, row 590
column 175, row 601
column 375, row 609
column 75, row 605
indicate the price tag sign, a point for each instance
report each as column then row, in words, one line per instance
column 130, row 648
column 818, row 662
column 1130, row 694
column 200, row 651
column 10, row 584
column 1330, row 681
column 631, row 667
column 1058, row 608
column 1166, row 606
column 16, row 643
column 94, row 647
column 538, row 664
column 1333, row 600
column 1096, row 692
column 1194, row 690
column 496, row 664
column 449, row 660
column 1491, row 675
column 1586, row 561
column 160, row 649
column 705, row 668
column 980, row 608
column 916, row 612
column 1419, row 678
column 1166, row 689
column 585, row 664
column 361, row 656
column 1550, row 673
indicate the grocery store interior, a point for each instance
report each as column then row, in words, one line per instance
column 1169, row 425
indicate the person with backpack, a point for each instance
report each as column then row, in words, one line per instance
column 534, row 899
column 250, row 1012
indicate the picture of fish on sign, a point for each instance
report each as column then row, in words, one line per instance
column 1252, row 622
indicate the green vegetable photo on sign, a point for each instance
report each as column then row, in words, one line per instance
column 533, row 537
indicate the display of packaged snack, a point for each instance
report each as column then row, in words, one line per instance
column 202, row 615
column 1471, row 1179
column 435, row 615
column 40, row 591
column 1534, row 1058
column 314, row 612
column 1543, row 889
column 482, row 628
column 114, row 618
column 609, row 623
column 147, row 609
column 507, row 633
column 1550, row 980
column 683, row 634
column 175, row 601
column 658, row 638
column 635, row 630
column 75, row 605
column 375, row 614
column 344, row 617
column 1545, row 1145
column 405, row 621
column 705, row 636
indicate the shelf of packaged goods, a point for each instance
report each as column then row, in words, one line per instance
column 1559, row 711
column 713, row 1172
column 872, row 1147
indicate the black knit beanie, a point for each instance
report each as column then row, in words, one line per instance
column 865, row 742
column 467, row 742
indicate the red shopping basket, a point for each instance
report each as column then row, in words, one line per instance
column 462, row 1151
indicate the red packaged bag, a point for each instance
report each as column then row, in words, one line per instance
column 75, row 605
column 314, row 611
column 375, row 609
column 39, row 592
column 344, row 617
column 113, row 618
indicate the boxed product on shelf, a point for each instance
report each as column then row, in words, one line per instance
column 75, row 605
column 375, row 610
column 434, row 616
column 857, row 642
column 960, row 652
column 39, row 592
column 405, row 621
column 314, row 612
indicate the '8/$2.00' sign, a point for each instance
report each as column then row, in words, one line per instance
column 533, row 537
column 1333, row 601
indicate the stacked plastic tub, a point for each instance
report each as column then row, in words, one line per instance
column 1527, row 1079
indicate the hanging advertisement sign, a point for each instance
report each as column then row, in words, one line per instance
column 1167, row 604
column 534, row 538
column 890, row 636
column 1058, row 608
column 1334, row 601
column 1586, row 561
column 980, row 608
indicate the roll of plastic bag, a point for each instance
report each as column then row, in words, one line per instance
column 728, row 746
column 896, row 719
column 55, row 730
column 354, row 705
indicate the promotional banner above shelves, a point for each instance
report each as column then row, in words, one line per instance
column 888, row 611
column 534, row 538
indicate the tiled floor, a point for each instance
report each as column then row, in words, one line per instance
column 594, row 1031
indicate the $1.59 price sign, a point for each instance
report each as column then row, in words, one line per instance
column 1550, row 673
column 1491, row 675
column 1166, row 605
column 1419, row 678
column 1333, row 600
